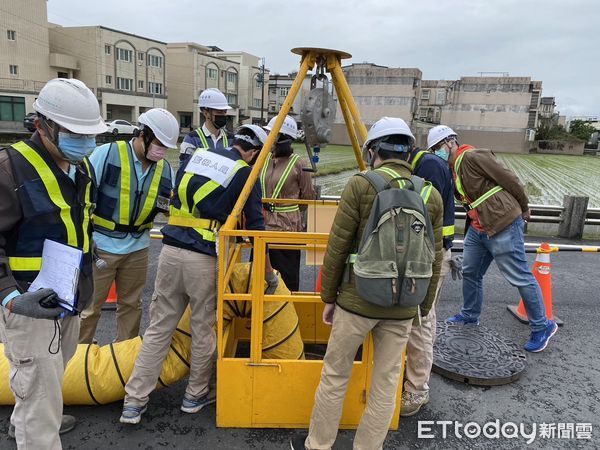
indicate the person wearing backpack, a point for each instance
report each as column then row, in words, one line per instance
column 432, row 166
column 404, row 231
column 497, row 207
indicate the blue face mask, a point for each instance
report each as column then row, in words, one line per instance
column 75, row 147
column 442, row 154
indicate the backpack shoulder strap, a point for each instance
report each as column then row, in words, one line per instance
column 418, row 183
column 377, row 180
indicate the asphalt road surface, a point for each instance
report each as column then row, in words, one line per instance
column 560, row 385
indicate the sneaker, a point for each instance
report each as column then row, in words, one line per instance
column 297, row 442
column 412, row 402
column 539, row 339
column 459, row 319
column 67, row 424
column 194, row 404
column 132, row 414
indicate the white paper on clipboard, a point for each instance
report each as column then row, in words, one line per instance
column 60, row 271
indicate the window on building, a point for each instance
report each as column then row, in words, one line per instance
column 257, row 103
column 140, row 84
column 11, row 35
column 425, row 93
column 107, row 49
column 13, row 69
column 440, row 97
column 108, row 79
column 283, row 92
column 232, row 99
column 12, row 109
column 124, row 84
column 124, row 55
column 232, row 77
column 62, row 75
column 140, row 56
column 272, row 91
column 155, row 88
column 155, row 61
column 212, row 73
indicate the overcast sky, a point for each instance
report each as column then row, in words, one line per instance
column 557, row 42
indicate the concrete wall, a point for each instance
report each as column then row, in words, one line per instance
column 558, row 147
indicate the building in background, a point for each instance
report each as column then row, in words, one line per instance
column 279, row 88
column 127, row 73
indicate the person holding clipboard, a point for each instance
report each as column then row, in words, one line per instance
column 46, row 194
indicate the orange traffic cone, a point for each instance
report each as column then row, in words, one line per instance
column 111, row 300
column 541, row 272
column 319, row 278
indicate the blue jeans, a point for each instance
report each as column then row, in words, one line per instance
column 508, row 249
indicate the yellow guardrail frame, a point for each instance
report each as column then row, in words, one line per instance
column 253, row 392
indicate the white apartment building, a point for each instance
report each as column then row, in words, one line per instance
column 279, row 88
column 128, row 73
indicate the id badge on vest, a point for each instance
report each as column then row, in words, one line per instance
column 213, row 166
column 162, row 203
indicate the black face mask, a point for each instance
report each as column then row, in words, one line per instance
column 219, row 121
column 283, row 146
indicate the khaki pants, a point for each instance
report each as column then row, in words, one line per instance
column 419, row 352
column 129, row 273
column 183, row 277
column 36, row 375
column 348, row 333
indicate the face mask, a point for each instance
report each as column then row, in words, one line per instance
column 75, row 147
column 219, row 121
column 156, row 152
column 442, row 154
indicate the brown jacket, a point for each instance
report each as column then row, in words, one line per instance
column 347, row 229
column 298, row 185
column 480, row 171
column 11, row 214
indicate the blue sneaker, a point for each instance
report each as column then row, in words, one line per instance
column 132, row 414
column 539, row 339
column 459, row 319
column 193, row 405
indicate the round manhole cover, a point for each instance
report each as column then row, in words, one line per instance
column 476, row 355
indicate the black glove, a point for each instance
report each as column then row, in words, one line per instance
column 272, row 281
column 30, row 304
column 456, row 265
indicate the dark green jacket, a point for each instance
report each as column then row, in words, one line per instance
column 347, row 229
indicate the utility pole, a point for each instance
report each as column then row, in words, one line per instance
column 262, row 91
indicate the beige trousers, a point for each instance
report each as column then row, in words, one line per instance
column 419, row 351
column 348, row 333
column 129, row 273
column 36, row 375
column 184, row 277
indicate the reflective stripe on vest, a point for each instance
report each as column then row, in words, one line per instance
column 448, row 231
column 125, row 212
column 202, row 136
column 184, row 217
column 425, row 191
column 34, row 263
column 280, row 183
column 459, row 187
column 416, row 159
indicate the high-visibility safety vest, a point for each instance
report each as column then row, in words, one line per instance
column 218, row 171
column 469, row 205
column 53, row 207
column 124, row 206
column 280, row 183
column 447, row 230
column 204, row 141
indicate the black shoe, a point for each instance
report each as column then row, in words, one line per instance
column 297, row 442
column 67, row 424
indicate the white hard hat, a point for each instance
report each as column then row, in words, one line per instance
column 213, row 98
column 258, row 132
column 387, row 126
column 438, row 134
column 163, row 124
column 71, row 104
column 288, row 127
